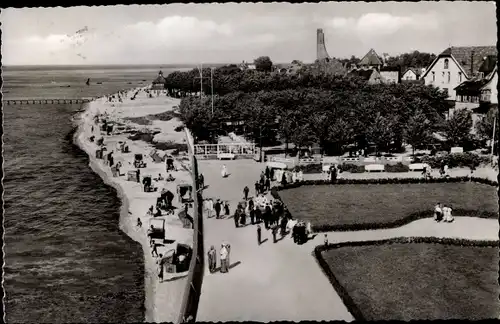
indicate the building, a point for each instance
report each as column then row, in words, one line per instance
column 456, row 65
column 390, row 74
column 371, row 76
column 159, row 82
column 412, row 74
column 246, row 66
column 478, row 95
column 371, row 60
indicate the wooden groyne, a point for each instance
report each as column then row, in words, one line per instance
column 45, row 101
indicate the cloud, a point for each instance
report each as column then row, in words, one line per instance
column 382, row 24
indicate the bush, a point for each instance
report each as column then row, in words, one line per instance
column 311, row 168
column 179, row 128
column 454, row 160
column 399, row 167
column 352, row 168
column 170, row 146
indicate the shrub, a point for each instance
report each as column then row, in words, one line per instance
column 170, row 146
column 179, row 128
column 454, row 160
column 352, row 168
column 311, row 168
column 399, row 167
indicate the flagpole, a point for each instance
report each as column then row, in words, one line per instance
column 493, row 138
column 212, row 87
column 201, row 83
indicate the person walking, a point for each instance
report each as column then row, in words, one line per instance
column 251, row 212
column 224, row 171
column 438, row 213
column 210, row 207
column 236, row 218
column 267, row 216
column 245, row 192
column 271, row 174
column 217, row 208
column 223, row 258
column 268, row 184
column 160, row 263
column 257, row 187
column 267, row 172
column 154, row 251
column 243, row 216
column 139, row 223
column 212, row 259
column 226, row 208
column 258, row 214
column 283, row 223
column 201, row 179
column 259, row 234
column 275, row 232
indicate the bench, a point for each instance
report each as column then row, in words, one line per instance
column 226, row 156
column 374, row 167
column 418, row 166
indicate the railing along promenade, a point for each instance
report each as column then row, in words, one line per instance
column 191, row 297
column 46, row 101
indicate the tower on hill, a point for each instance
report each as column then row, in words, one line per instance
column 321, row 53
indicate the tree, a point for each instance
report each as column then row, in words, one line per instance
column 484, row 126
column 458, row 127
column 263, row 64
column 380, row 132
column 417, row 130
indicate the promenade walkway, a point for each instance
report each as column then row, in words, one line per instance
column 282, row 281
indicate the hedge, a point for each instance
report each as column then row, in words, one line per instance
column 400, row 222
column 344, row 295
column 454, row 160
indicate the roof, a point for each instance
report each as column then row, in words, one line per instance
column 490, row 76
column 462, row 55
column 417, row 71
column 371, row 58
column 488, row 65
column 361, row 73
column 159, row 79
column 471, row 86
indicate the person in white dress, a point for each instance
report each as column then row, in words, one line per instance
column 224, row 171
column 447, row 214
column 210, row 207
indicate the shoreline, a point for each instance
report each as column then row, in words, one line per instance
column 156, row 293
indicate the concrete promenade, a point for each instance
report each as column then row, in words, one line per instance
column 283, row 281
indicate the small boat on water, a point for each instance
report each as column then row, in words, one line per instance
column 99, row 82
column 66, row 86
column 88, row 81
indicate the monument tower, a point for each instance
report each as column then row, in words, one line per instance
column 321, row 53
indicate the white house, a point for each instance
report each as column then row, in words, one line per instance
column 456, row 65
column 412, row 74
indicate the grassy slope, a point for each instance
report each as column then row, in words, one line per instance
column 419, row 281
column 354, row 204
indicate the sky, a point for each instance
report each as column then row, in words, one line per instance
column 233, row 32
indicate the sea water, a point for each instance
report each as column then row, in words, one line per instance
column 66, row 259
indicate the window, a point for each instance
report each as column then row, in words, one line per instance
column 449, row 77
column 460, row 77
column 433, row 76
column 442, row 77
column 446, row 62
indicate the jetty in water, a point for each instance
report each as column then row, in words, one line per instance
column 45, row 101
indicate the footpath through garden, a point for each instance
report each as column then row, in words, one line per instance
column 282, row 281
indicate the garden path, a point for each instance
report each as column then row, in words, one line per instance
column 282, row 281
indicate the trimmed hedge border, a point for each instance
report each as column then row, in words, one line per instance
column 400, row 222
column 344, row 295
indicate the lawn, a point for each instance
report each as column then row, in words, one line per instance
column 353, row 207
column 418, row 281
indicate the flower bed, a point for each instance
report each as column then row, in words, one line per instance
column 385, row 203
column 413, row 278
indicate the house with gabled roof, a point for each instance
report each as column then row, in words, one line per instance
column 370, row 75
column 456, row 65
column 371, row 60
column 412, row 74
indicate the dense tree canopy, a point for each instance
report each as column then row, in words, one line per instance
column 263, row 64
column 332, row 111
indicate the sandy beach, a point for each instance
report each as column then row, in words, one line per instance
column 162, row 300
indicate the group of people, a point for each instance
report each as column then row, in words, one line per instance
column 443, row 213
column 219, row 207
column 225, row 249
